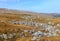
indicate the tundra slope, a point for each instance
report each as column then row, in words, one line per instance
column 29, row 27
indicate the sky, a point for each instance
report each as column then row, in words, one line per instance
column 43, row 6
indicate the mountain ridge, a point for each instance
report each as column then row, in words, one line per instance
column 14, row 11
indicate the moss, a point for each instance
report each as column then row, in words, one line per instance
column 1, row 39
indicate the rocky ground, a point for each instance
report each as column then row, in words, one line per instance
column 26, row 27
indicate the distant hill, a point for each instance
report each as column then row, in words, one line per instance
column 56, row 14
column 11, row 11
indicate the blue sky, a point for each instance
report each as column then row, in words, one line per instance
column 45, row 6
